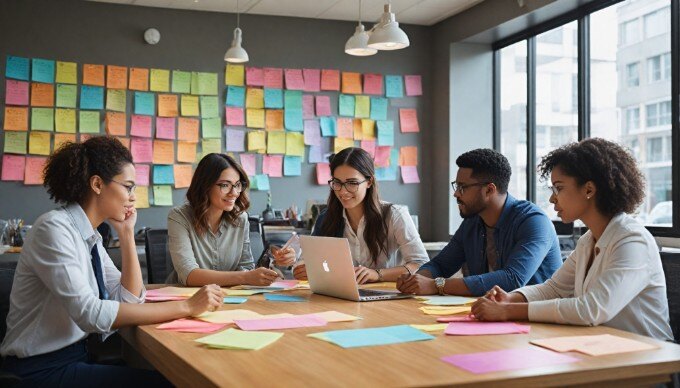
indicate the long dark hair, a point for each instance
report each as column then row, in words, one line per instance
column 375, row 213
column 207, row 172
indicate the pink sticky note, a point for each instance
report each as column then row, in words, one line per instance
column 382, row 156
column 191, row 326
column 294, row 80
column 312, row 80
column 274, row 165
column 485, row 328
column 285, row 283
column 234, row 116
column 165, row 128
column 235, row 140
column 408, row 120
column 323, row 173
column 457, row 318
column 249, row 163
column 409, row 174
column 34, row 171
column 330, row 79
column 369, row 146
column 309, row 320
column 414, row 86
column 345, row 127
column 323, row 105
column 509, row 359
column 13, row 167
column 142, row 150
column 16, row 92
column 307, row 106
column 373, row 84
column 164, row 298
column 142, row 174
column 273, row 78
column 140, row 126
column 312, row 132
column 254, row 76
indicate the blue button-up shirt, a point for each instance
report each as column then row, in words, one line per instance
column 526, row 244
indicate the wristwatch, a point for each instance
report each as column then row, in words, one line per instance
column 440, row 282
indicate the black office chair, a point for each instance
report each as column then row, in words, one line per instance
column 671, row 269
column 6, row 281
column 158, row 261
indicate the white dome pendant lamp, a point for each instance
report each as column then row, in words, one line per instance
column 236, row 53
column 386, row 35
column 357, row 43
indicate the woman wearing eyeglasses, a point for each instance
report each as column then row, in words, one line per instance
column 614, row 276
column 208, row 237
column 66, row 286
column 383, row 240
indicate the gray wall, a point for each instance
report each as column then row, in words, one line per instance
column 87, row 32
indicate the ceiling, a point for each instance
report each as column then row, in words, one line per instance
column 421, row 12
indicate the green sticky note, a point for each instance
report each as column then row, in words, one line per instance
column 212, row 128
column 89, row 121
column 42, row 119
column 253, row 182
column 181, row 81
column 362, row 109
column 65, row 120
column 239, row 339
column 67, row 96
column 162, row 195
column 295, row 144
column 15, row 142
column 346, row 105
column 211, row 146
column 276, row 143
column 209, row 107
column 204, row 84
column 115, row 100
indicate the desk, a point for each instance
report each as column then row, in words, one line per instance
column 297, row 360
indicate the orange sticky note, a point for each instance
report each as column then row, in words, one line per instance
column 116, row 124
column 139, row 79
column 183, row 173
column 186, row 152
column 330, row 79
column 167, row 105
column 163, row 152
column 408, row 156
column 408, row 120
column 16, row 119
column 345, row 127
column 116, row 77
column 274, row 120
column 61, row 138
column 34, row 171
column 358, row 129
column 39, row 143
column 142, row 197
column 351, row 82
column 93, row 75
column 368, row 129
column 42, row 94
column 125, row 141
column 187, row 129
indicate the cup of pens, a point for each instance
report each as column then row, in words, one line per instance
column 14, row 226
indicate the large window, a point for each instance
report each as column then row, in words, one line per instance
column 615, row 83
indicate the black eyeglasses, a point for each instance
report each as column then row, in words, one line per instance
column 130, row 188
column 351, row 186
column 226, row 187
column 461, row 188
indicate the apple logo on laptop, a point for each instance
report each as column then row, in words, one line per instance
column 325, row 266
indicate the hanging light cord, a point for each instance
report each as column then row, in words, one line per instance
column 238, row 24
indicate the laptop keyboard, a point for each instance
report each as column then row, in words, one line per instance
column 365, row 292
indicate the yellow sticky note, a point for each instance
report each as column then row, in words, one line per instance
column 210, row 146
column 255, row 98
column 445, row 310
column 67, row 73
column 362, row 107
column 239, row 339
column 227, row 316
column 160, row 80
column 167, row 105
column 116, row 100
column 39, row 143
column 276, row 144
column 341, row 144
column 433, row 327
column 182, row 173
column 358, row 129
column 234, row 75
column 61, row 138
column 367, row 129
column 274, row 120
column 189, row 105
column 142, row 197
column 65, row 120
column 186, row 152
column 255, row 118
column 295, row 144
column 256, row 141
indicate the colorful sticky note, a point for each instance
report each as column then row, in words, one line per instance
column 248, row 163
column 234, row 116
column 212, row 128
column 116, row 77
column 167, row 105
column 189, row 105
column 236, row 96
column 345, row 127
column 414, row 85
column 205, row 84
column 115, row 124
column 358, row 129
column 183, row 173
column 323, row 173
column 39, row 143
column 142, row 198
column 234, row 300
column 67, row 72
column 378, row 108
column 386, row 173
column 382, row 156
column 145, row 103
column 234, row 74
column 66, row 96
column 16, row 92
column 292, row 165
column 294, row 79
column 274, row 120
column 273, row 98
column 65, row 120
column 125, row 141
column 191, row 326
column 187, row 129
column 142, row 150
column 181, row 81
column 408, row 120
column 254, row 98
column 448, row 300
column 293, row 119
column 91, row 97
column 239, row 339
column 374, row 336
column 276, row 143
column 93, row 75
column 368, row 146
column 341, row 144
column 312, row 132
column 431, row 327
column 235, row 140
column 13, row 167
column 351, row 82
column 272, row 165
column 307, row 107
column 367, row 129
column 42, row 94
column 116, row 100
column 162, row 195
column 320, row 153
column 385, row 133
column 594, row 345
column 323, row 106
column 330, row 79
column 186, row 152
column 211, row 146
column 295, row 144
column 328, row 126
column 17, row 68
column 362, row 108
column 346, row 105
column 142, row 174
column 160, row 80
column 254, row 76
column 139, row 79
column 292, row 99
column 164, row 152
column 15, row 143
column 273, row 78
column 262, row 182
column 16, row 119
column 373, row 84
column 42, row 119
column 408, row 156
column 293, row 322
column 209, row 107
column 255, row 118
column 42, row 70
column 409, row 174
column 90, row 122
column 165, row 128
column 508, row 359
column 394, row 86
column 256, row 141
column 34, row 171
column 312, row 80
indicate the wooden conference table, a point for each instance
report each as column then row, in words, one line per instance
column 297, row 360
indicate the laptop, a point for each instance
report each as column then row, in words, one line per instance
column 331, row 272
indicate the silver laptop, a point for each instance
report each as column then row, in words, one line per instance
column 331, row 272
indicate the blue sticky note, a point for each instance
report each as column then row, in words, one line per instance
column 292, row 165
column 262, row 182
column 293, row 119
column 376, row 336
column 91, row 97
column 163, row 174
column 236, row 96
column 378, row 108
column 17, row 68
column 293, row 99
column 43, row 70
column 328, row 126
column 234, row 299
column 394, row 86
column 394, row 157
column 284, row 298
column 346, row 105
column 145, row 104
column 385, row 133
column 386, row 173
column 273, row 98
